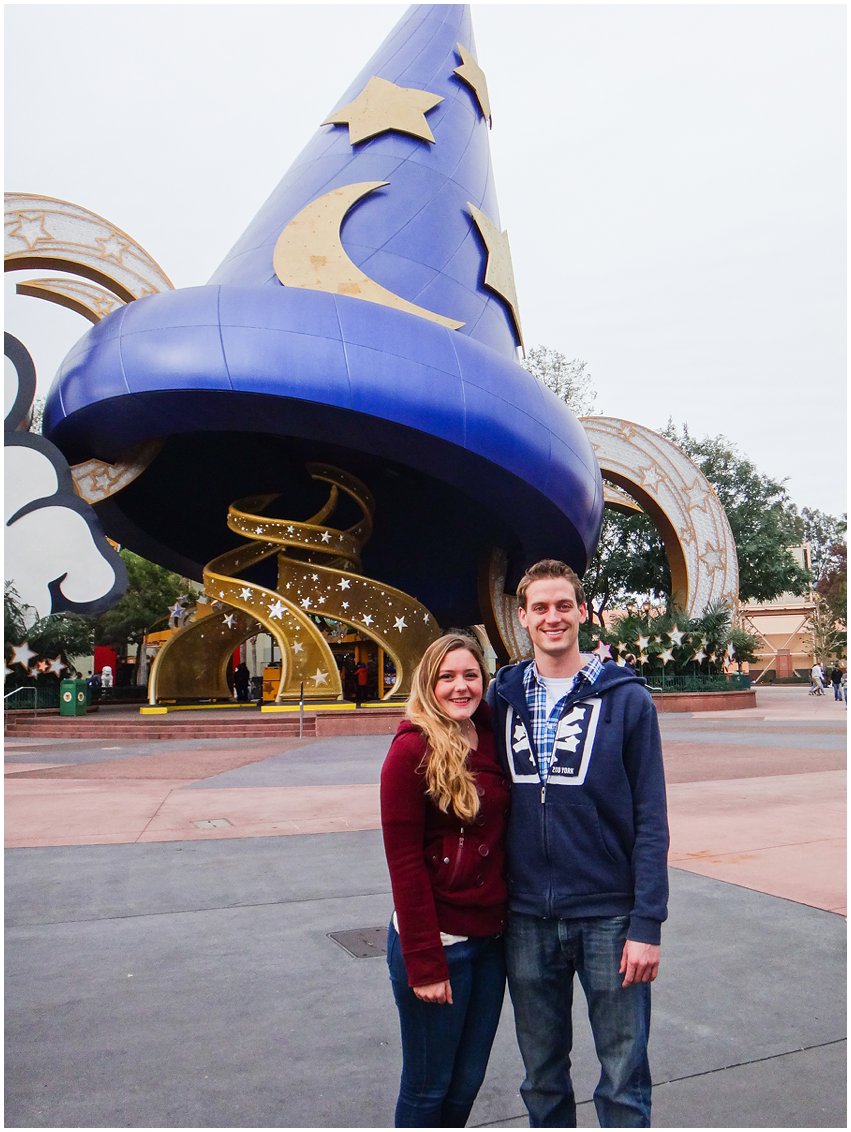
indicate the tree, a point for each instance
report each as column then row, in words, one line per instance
column 568, row 379
column 762, row 517
column 826, row 536
column 827, row 636
column 832, row 586
column 64, row 635
column 630, row 559
column 151, row 592
column 15, row 619
column 628, row 564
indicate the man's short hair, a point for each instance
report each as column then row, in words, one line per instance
column 549, row 568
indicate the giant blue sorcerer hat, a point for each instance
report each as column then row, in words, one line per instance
column 366, row 318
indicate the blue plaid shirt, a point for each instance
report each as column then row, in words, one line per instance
column 543, row 726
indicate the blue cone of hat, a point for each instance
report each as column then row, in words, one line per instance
column 367, row 318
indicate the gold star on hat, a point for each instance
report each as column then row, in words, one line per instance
column 383, row 106
column 472, row 74
column 499, row 273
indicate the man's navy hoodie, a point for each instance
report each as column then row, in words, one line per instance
column 593, row 839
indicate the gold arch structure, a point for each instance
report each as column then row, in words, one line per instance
column 318, row 573
column 41, row 232
column 682, row 503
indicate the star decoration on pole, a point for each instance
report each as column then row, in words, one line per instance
column 699, row 656
column 603, row 651
column 382, row 106
column 55, row 666
column 666, row 656
column 676, row 635
column 472, row 74
column 642, row 643
column 499, row 272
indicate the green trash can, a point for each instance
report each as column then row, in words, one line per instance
column 73, row 697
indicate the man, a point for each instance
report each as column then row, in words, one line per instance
column 836, row 681
column 816, row 680
column 587, row 856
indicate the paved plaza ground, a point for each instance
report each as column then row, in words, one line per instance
column 170, row 909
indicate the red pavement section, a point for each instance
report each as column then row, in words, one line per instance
column 767, row 818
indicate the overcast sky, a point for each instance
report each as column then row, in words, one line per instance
column 672, row 179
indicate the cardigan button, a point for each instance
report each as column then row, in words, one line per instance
column 480, row 790
column 446, row 860
column 483, row 851
column 480, row 882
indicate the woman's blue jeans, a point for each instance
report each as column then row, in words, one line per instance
column 542, row 957
column 445, row 1049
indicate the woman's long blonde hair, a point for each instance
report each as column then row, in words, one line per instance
column 449, row 781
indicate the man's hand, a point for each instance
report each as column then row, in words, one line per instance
column 639, row 962
column 435, row 992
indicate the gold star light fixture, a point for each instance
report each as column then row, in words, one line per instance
column 472, row 74
column 382, row 106
column 499, row 273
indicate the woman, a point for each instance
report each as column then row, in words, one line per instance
column 444, row 804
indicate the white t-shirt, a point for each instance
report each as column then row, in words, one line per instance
column 556, row 688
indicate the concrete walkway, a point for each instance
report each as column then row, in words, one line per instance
column 170, row 912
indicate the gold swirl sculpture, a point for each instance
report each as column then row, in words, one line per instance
column 318, row 575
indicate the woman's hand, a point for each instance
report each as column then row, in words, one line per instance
column 435, row 992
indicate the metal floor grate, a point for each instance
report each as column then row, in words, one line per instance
column 362, row 943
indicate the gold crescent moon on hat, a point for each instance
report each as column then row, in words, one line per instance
column 310, row 254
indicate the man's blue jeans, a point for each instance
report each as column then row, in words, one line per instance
column 542, row 957
column 445, row 1049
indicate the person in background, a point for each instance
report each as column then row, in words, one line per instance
column 242, row 682
column 836, row 681
column 444, row 801
column 362, row 680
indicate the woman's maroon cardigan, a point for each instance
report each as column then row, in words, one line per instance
column 447, row 875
